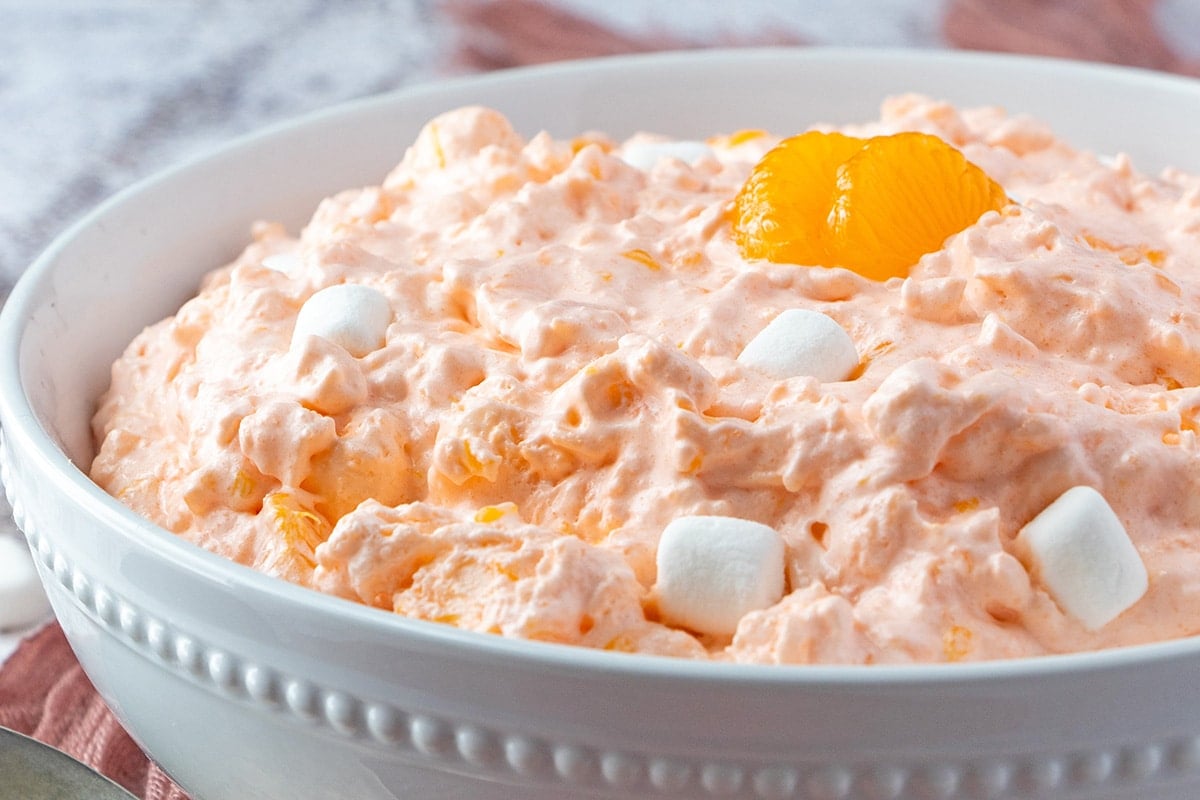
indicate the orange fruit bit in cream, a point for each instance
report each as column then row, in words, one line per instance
column 874, row 206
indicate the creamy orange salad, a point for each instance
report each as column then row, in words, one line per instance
column 572, row 391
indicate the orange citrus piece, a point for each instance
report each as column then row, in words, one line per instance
column 901, row 197
column 780, row 213
column 874, row 206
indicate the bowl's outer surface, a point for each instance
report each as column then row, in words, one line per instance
column 242, row 686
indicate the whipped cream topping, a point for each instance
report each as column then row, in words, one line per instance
column 561, row 382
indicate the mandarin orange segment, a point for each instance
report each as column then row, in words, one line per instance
column 779, row 215
column 901, row 197
column 874, row 206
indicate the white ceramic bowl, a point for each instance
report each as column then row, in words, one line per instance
column 246, row 687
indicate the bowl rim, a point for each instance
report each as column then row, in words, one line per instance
column 22, row 430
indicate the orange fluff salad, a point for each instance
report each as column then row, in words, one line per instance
column 921, row 389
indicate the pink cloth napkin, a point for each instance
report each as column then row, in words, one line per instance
column 44, row 694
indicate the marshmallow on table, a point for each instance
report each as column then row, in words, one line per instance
column 645, row 154
column 22, row 600
column 1081, row 553
column 712, row 571
column 351, row 316
column 802, row 342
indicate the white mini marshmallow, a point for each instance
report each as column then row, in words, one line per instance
column 645, row 154
column 22, row 601
column 1081, row 553
column 351, row 316
column 801, row 342
column 286, row 263
column 712, row 571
